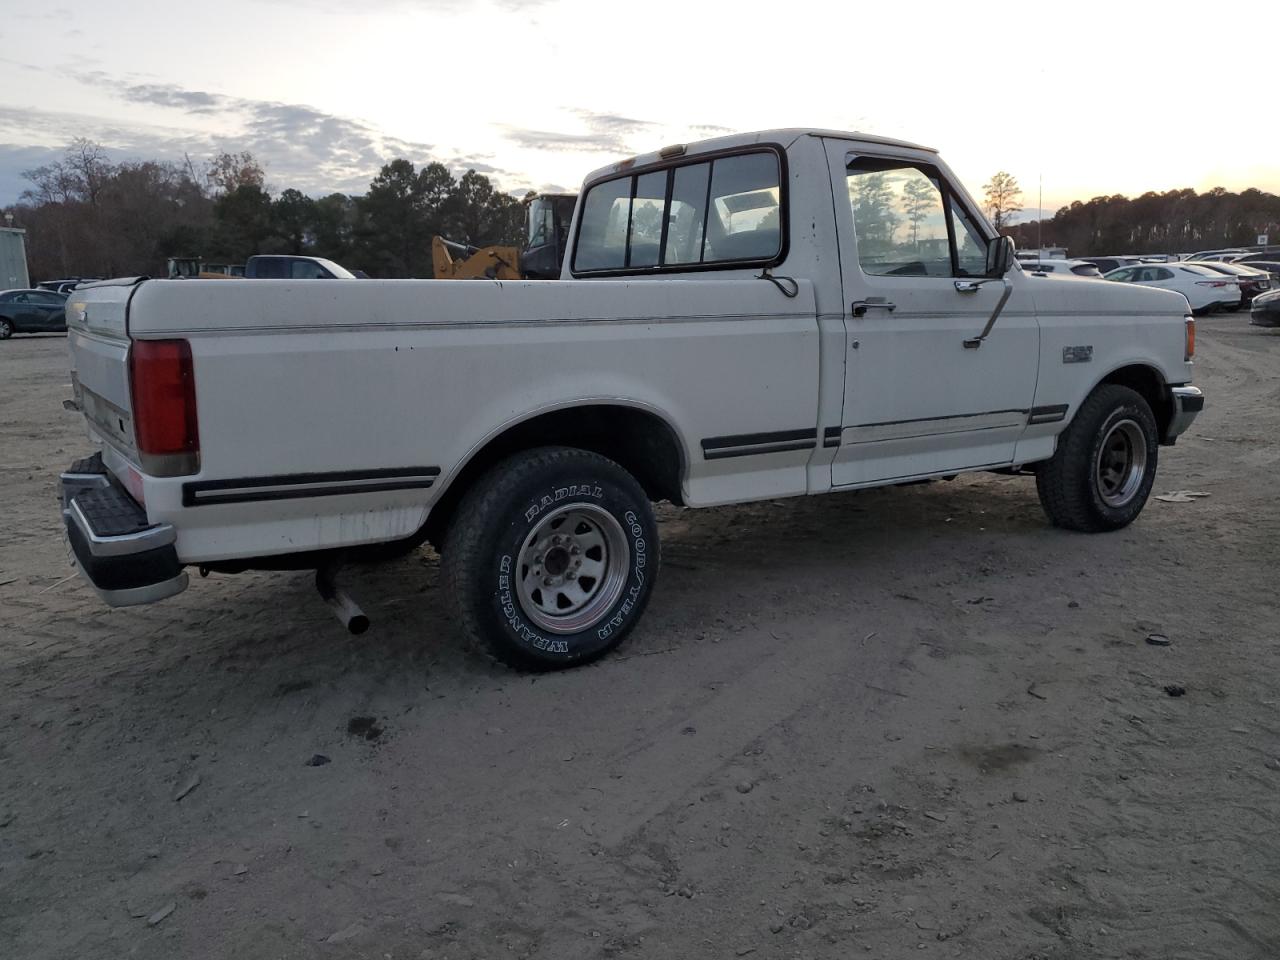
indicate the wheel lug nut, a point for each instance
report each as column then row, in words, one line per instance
column 547, row 581
column 571, row 575
column 575, row 550
column 538, row 558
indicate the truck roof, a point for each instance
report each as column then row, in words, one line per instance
column 784, row 135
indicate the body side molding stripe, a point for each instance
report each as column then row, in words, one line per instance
column 749, row 444
column 296, row 485
column 1048, row 414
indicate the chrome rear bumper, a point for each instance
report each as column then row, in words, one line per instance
column 126, row 559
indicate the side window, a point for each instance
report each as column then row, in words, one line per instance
column 1126, row 274
column 971, row 244
column 602, row 239
column 305, row 270
column 724, row 210
column 742, row 218
column 1163, row 274
column 646, row 219
column 687, row 217
column 907, row 222
column 899, row 220
column 272, row 269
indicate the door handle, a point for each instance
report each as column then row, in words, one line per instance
column 969, row 286
column 860, row 307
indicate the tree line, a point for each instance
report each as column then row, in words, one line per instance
column 88, row 216
column 1176, row 221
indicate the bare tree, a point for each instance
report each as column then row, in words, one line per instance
column 1003, row 199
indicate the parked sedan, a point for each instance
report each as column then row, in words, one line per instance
column 1266, row 310
column 1204, row 289
column 31, row 311
column 1252, row 280
column 1270, row 267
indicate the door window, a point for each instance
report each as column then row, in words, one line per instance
column 908, row 224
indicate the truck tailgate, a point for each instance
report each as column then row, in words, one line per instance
column 98, row 341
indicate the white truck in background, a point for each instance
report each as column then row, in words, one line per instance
column 757, row 316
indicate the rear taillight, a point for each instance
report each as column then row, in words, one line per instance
column 1189, row 349
column 1213, row 283
column 163, row 386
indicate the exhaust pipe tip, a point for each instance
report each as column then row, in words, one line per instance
column 340, row 602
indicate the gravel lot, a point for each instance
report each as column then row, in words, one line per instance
column 904, row 723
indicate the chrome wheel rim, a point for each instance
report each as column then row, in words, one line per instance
column 572, row 568
column 1121, row 463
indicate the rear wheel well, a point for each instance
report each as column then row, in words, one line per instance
column 1149, row 384
column 637, row 440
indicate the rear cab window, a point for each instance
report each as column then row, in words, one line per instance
column 700, row 213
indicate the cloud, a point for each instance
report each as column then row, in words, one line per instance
column 14, row 158
column 300, row 146
column 605, row 133
column 609, row 133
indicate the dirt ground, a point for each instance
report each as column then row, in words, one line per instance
column 905, row 723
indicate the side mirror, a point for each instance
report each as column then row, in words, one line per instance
column 999, row 256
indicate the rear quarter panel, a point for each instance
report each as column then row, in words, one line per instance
column 316, row 377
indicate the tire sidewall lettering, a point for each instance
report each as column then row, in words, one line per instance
column 505, row 596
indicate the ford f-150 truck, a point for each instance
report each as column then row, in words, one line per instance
column 757, row 316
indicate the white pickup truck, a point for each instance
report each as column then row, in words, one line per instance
column 763, row 315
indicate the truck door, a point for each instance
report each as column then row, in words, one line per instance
column 925, row 391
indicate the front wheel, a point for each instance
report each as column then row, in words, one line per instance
column 6, row 329
column 1100, row 476
column 551, row 558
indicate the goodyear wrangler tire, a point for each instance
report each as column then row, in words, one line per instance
column 551, row 558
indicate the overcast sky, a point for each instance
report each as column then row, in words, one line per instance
column 1120, row 98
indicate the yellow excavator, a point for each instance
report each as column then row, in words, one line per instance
column 547, row 217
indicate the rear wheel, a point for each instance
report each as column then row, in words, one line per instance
column 551, row 558
column 1100, row 476
column 6, row 329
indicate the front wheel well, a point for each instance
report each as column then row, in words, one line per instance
column 639, row 441
column 1148, row 383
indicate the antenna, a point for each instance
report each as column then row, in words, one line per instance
column 1040, row 215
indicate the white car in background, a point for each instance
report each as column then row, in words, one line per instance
column 1061, row 268
column 1205, row 289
